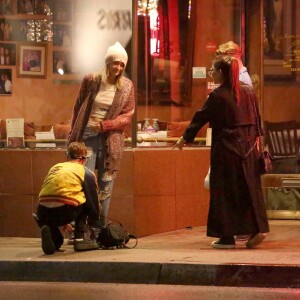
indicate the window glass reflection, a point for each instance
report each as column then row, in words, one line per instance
column 176, row 44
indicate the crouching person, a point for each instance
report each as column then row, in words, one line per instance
column 69, row 193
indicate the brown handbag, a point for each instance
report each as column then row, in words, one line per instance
column 265, row 162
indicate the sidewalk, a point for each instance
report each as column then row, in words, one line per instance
column 182, row 257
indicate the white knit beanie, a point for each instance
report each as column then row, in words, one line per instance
column 116, row 53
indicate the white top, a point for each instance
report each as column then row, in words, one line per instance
column 102, row 103
column 244, row 76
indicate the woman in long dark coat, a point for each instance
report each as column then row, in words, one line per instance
column 236, row 200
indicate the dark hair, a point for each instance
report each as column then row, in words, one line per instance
column 230, row 70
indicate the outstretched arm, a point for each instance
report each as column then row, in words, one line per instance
column 179, row 144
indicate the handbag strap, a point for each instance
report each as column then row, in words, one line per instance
column 131, row 236
column 111, row 219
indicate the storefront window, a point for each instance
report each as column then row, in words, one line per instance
column 280, row 41
column 46, row 49
column 280, row 105
column 177, row 40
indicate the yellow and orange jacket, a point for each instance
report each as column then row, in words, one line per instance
column 68, row 183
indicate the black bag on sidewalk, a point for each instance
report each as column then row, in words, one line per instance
column 113, row 235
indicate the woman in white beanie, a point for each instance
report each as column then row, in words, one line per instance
column 104, row 107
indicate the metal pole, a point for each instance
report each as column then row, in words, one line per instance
column 134, row 65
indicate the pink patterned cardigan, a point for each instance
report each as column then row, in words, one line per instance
column 118, row 117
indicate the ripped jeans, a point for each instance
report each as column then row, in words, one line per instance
column 95, row 143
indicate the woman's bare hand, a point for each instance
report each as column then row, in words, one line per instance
column 179, row 144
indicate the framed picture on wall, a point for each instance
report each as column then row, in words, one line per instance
column 62, row 10
column 7, row 27
column 62, row 35
column 5, row 81
column 62, row 62
column 279, row 44
column 31, row 60
column 8, row 54
column 25, row 7
column 43, row 7
column 6, row 7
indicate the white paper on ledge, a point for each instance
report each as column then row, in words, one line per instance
column 45, row 135
column 15, row 133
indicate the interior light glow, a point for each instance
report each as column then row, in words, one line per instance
column 60, row 71
column 146, row 6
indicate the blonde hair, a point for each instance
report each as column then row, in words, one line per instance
column 230, row 48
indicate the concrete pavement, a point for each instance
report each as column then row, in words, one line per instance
column 182, row 257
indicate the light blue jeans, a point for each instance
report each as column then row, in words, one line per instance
column 95, row 143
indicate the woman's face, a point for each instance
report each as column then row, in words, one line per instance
column 115, row 68
column 215, row 74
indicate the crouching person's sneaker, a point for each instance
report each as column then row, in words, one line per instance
column 47, row 243
column 85, row 245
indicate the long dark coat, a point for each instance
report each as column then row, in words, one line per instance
column 236, row 201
